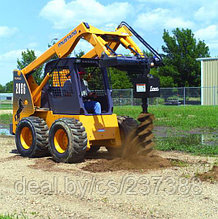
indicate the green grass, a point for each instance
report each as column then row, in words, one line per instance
column 5, row 217
column 9, row 217
column 180, row 117
column 6, row 118
column 21, row 215
column 5, row 106
column 190, row 144
column 180, row 120
column 179, row 163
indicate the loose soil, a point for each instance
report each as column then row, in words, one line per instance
column 150, row 186
column 138, row 163
column 210, row 176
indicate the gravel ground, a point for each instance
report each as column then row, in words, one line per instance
column 40, row 188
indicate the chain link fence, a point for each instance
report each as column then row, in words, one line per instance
column 168, row 96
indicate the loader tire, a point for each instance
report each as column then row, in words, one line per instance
column 31, row 137
column 68, row 140
column 93, row 149
column 126, row 126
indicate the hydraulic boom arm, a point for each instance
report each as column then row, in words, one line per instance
column 103, row 43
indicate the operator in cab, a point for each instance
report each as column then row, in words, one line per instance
column 89, row 97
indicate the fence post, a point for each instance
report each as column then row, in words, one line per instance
column 184, row 96
column 131, row 90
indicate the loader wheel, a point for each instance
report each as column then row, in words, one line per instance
column 93, row 149
column 126, row 126
column 31, row 137
column 68, row 140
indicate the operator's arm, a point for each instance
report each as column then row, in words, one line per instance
column 84, row 87
column 86, row 93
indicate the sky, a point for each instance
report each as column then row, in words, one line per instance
column 33, row 24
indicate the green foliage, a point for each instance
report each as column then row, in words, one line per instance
column 94, row 78
column 181, row 51
column 28, row 57
column 80, row 54
column 9, row 87
column 2, row 89
column 119, row 79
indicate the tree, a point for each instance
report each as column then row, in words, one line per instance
column 27, row 57
column 9, row 87
column 120, row 79
column 181, row 51
column 2, row 89
column 80, row 54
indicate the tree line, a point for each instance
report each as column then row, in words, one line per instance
column 181, row 69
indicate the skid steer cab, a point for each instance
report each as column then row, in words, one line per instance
column 69, row 89
column 63, row 125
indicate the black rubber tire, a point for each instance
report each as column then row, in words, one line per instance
column 126, row 126
column 93, row 150
column 39, row 131
column 77, row 140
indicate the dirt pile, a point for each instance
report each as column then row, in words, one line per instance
column 45, row 164
column 137, row 154
column 210, row 176
column 138, row 163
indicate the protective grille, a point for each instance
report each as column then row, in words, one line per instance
column 59, row 77
column 61, row 84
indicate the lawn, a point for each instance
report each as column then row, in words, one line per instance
column 6, row 105
column 8, row 217
column 192, row 129
column 179, row 117
column 5, row 119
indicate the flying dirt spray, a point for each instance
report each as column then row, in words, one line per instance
column 139, row 142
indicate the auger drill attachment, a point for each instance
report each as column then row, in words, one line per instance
column 145, row 128
column 145, row 86
column 137, row 137
column 140, row 142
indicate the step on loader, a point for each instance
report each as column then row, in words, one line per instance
column 48, row 118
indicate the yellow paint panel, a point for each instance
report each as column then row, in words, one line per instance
column 98, row 127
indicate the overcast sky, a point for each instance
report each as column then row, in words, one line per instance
column 34, row 23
